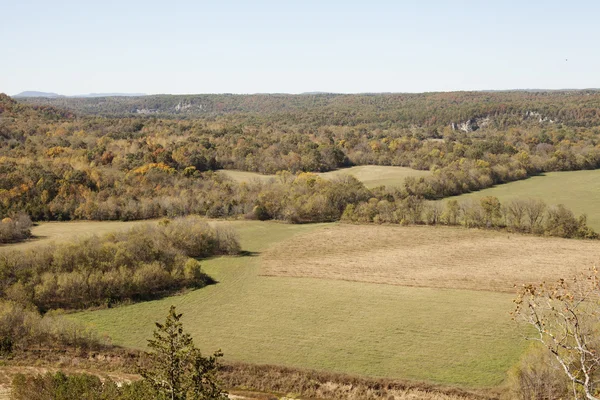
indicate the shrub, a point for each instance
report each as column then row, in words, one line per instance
column 196, row 238
column 145, row 262
column 173, row 370
column 537, row 376
column 59, row 386
column 15, row 229
column 21, row 329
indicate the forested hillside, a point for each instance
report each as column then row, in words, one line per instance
column 63, row 163
column 573, row 108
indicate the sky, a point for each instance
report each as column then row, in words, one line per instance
column 225, row 46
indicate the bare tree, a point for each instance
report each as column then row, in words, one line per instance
column 515, row 211
column 565, row 316
column 534, row 211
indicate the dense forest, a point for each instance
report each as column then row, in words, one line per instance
column 152, row 156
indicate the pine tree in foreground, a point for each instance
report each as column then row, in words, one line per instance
column 176, row 369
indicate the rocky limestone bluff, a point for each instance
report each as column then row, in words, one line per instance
column 471, row 125
column 540, row 117
column 180, row 107
column 474, row 124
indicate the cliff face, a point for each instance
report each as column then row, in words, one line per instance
column 538, row 116
column 474, row 124
column 471, row 125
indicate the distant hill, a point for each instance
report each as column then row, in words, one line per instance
column 459, row 111
column 49, row 95
column 110, row 95
column 31, row 93
column 22, row 110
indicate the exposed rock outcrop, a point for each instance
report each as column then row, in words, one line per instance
column 471, row 125
column 538, row 116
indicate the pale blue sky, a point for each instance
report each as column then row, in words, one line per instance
column 183, row 46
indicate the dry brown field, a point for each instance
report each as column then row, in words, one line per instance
column 423, row 256
column 56, row 232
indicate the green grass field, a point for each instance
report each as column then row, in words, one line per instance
column 448, row 336
column 578, row 190
column 370, row 175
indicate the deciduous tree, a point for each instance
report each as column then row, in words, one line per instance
column 565, row 317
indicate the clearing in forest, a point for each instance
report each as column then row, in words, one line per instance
column 385, row 301
column 47, row 232
column 370, row 175
column 449, row 336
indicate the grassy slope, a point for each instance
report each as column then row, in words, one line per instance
column 449, row 336
column 578, row 190
column 370, row 175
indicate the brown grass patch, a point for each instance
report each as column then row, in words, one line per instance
column 307, row 384
column 243, row 381
column 439, row 257
column 47, row 232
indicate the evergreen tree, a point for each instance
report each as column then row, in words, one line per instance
column 176, row 369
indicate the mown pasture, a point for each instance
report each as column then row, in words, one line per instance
column 444, row 335
column 423, row 256
column 370, row 175
column 421, row 303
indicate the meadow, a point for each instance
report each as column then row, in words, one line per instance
column 370, row 175
column 450, row 336
column 577, row 190
column 419, row 303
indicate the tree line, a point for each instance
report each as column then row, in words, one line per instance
column 297, row 198
column 55, row 165
column 532, row 216
column 25, row 329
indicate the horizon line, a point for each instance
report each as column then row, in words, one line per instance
column 315, row 92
